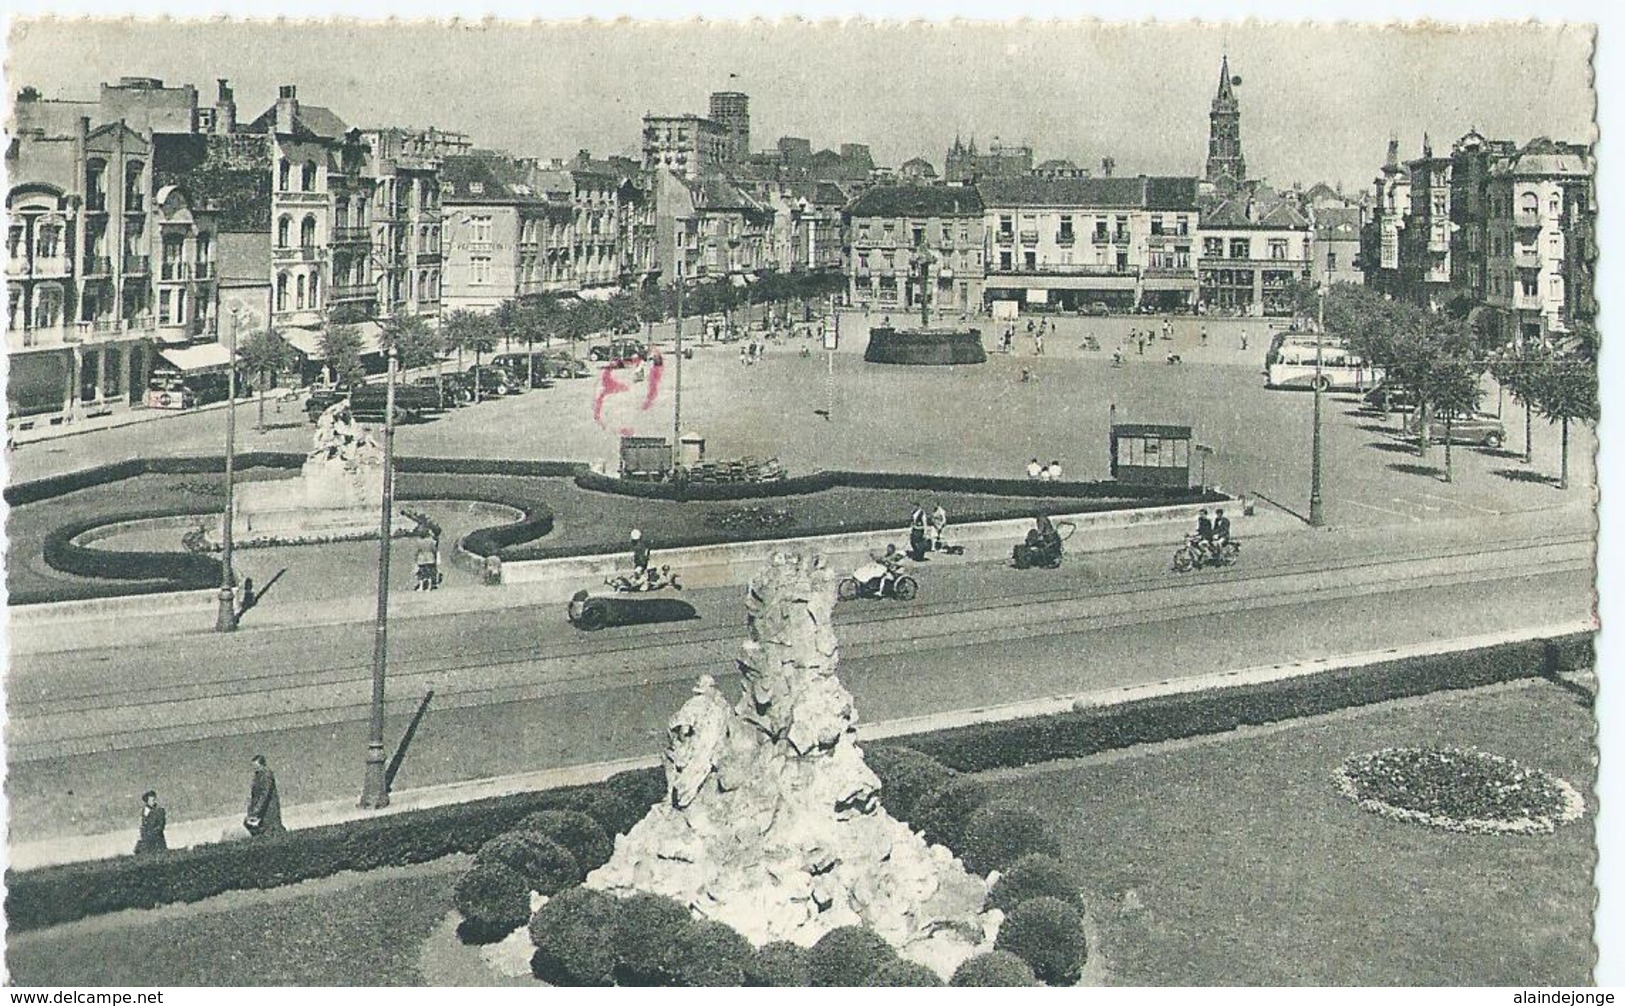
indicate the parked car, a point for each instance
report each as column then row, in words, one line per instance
column 1097, row 309
column 1387, row 397
column 447, row 389
column 616, row 350
column 492, row 381
column 534, row 365
column 564, row 368
column 1480, row 430
column 368, row 401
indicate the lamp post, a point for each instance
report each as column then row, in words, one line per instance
column 226, row 615
column 677, row 373
column 1317, row 514
column 374, row 790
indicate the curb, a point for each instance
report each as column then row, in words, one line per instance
column 71, row 849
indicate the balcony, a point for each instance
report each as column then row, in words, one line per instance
column 353, row 291
column 1526, row 257
column 1438, row 244
column 305, row 254
column 1526, row 219
column 1120, row 237
column 1005, row 237
column 345, row 234
column 98, row 265
column 1067, row 269
column 293, row 198
column 1029, row 237
column 429, row 258
column 175, row 272
column 137, row 264
column 1101, row 238
column 1066, row 239
column 133, row 203
column 55, row 266
column 1170, row 272
column 96, row 202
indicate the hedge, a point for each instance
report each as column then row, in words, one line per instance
column 998, row 969
column 493, row 900
column 779, row 964
column 574, row 935
column 56, row 894
column 1035, row 876
column 174, row 570
column 847, row 956
column 998, row 834
column 1075, row 734
column 53, row 895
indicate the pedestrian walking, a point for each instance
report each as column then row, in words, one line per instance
column 1244, row 340
column 1034, row 469
column 151, row 836
column 264, row 815
column 1054, row 471
column 1038, row 344
column 1204, row 335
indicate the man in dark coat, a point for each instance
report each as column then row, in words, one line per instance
column 151, row 838
column 264, row 816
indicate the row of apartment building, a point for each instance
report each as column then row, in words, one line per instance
column 1067, row 243
column 1502, row 232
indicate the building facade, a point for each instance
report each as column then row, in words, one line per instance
column 911, row 242
column 1541, row 241
column 404, row 240
column 965, row 164
column 690, row 145
column 731, row 110
column 1253, row 246
column 1067, row 243
column 1336, row 251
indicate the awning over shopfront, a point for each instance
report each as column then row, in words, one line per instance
column 598, row 292
column 308, row 341
column 208, row 356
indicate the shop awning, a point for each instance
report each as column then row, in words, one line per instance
column 598, row 292
column 308, row 341
column 208, row 356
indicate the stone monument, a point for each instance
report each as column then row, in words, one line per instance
column 772, row 821
column 338, row 495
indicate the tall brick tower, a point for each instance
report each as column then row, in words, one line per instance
column 1226, row 168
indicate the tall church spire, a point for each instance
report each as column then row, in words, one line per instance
column 1226, row 168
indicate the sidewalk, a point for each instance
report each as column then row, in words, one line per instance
column 70, row 849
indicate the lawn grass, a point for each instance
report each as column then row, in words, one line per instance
column 1253, row 870
column 352, row 929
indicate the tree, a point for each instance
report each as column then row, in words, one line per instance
column 1454, row 388
column 463, row 329
column 340, row 346
column 264, row 354
column 1564, row 390
column 414, row 342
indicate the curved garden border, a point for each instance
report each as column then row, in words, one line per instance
column 1515, row 800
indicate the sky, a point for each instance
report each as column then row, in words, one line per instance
column 1318, row 103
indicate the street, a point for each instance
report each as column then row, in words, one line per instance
column 94, row 726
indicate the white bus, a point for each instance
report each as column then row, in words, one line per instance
column 1292, row 365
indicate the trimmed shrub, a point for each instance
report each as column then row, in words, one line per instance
column 646, row 930
column 942, row 815
column 780, row 964
column 642, row 788
column 900, row 973
column 574, row 936
column 847, row 956
column 708, row 954
column 1047, row 933
column 574, row 830
column 615, row 812
column 1001, row 832
column 179, row 570
column 494, row 901
column 906, row 775
column 999, row 969
column 547, row 866
column 1033, row 876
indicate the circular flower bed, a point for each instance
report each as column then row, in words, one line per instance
column 1458, row 789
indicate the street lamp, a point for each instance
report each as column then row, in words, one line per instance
column 677, row 374
column 226, row 615
column 922, row 261
column 1317, row 514
column 374, row 788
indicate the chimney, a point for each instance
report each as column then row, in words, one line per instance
column 225, row 104
column 287, row 107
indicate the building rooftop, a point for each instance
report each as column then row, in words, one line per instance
column 1142, row 192
column 918, row 201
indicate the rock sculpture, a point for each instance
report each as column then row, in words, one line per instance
column 772, row 821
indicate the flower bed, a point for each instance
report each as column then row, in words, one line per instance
column 1459, row 789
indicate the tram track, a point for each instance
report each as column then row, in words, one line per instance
column 100, row 721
